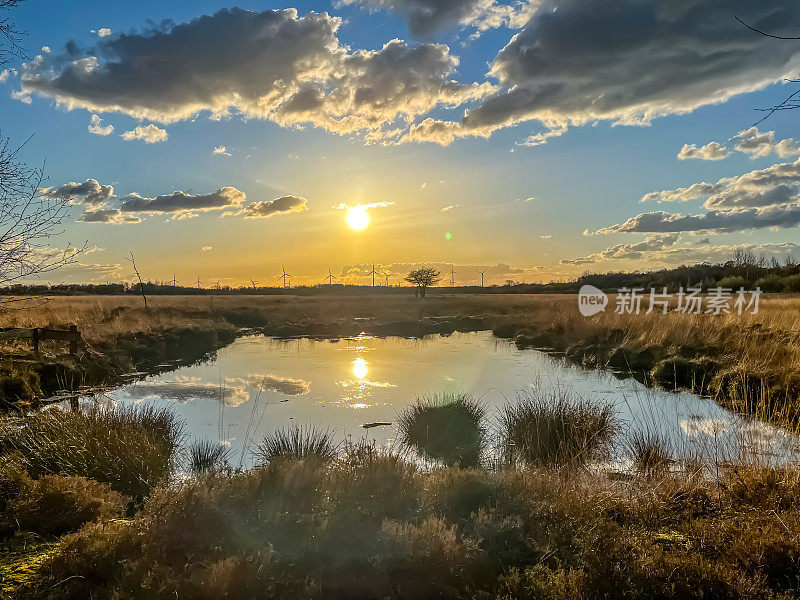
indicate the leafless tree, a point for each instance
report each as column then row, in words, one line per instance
column 132, row 260
column 28, row 220
column 424, row 278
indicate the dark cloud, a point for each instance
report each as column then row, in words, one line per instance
column 636, row 251
column 183, row 203
column 273, row 64
column 108, row 215
column 90, row 192
column 630, row 61
column 426, row 17
column 781, row 216
column 286, row 204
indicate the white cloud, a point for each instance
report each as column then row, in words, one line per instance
column 103, row 32
column 97, row 128
column 150, row 134
column 711, row 151
column 221, row 151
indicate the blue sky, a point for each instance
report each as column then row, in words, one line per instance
column 520, row 210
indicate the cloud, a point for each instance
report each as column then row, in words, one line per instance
column 426, row 17
column 636, row 251
column 465, row 274
column 272, row 65
column 97, row 128
column 669, row 253
column 758, row 144
column 279, row 206
column 711, row 151
column 4, row 75
column 282, row 385
column 449, row 207
column 344, row 206
column 206, row 249
column 755, row 143
column 221, row 150
column 721, row 221
column 183, row 205
column 103, row 32
column 189, row 389
column 774, row 185
column 89, row 193
column 150, row 134
column 630, row 61
column 112, row 216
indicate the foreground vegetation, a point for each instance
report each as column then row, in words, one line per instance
column 319, row 518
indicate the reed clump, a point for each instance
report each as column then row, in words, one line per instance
column 554, row 429
column 448, row 428
column 132, row 449
column 298, row 442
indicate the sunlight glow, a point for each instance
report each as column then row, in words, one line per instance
column 360, row 368
column 357, row 218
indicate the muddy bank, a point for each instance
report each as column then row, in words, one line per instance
column 27, row 379
column 701, row 369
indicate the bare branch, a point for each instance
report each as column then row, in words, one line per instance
column 769, row 35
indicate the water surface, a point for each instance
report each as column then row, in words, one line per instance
column 258, row 384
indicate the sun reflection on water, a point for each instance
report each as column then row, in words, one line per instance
column 360, row 368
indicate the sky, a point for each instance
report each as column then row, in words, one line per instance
column 533, row 140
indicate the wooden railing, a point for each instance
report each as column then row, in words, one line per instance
column 38, row 334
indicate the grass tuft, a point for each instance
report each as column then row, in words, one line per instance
column 298, row 442
column 132, row 449
column 555, row 429
column 207, row 456
column 447, row 428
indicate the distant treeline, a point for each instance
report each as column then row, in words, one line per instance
column 745, row 270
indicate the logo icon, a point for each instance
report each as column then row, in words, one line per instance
column 591, row 300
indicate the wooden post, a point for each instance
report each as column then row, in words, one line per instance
column 35, row 341
column 73, row 343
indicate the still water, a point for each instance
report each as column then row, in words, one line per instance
column 258, row 384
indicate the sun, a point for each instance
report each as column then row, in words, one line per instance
column 357, row 218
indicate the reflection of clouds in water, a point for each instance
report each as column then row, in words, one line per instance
column 695, row 426
column 760, row 433
column 188, row 389
column 367, row 383
column 282, row 385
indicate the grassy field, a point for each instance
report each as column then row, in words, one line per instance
column 92, row 505
column 748, row 362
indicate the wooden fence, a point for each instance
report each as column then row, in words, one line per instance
column 38, row 334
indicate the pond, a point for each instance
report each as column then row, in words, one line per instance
column 258, row 384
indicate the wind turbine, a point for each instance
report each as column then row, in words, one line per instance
column 199, row 283
column 385, row 274
column 255, row 283
column 373, row 273
column 452, row 276
column 285, row 276
column 330, row 278
column 482, row 274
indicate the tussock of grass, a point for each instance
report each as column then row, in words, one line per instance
column 207, row 456
column 52, row 505
column 554, row 429
column 649, row 452
column 130, row 448
column 297, row 441
column 448, row 428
